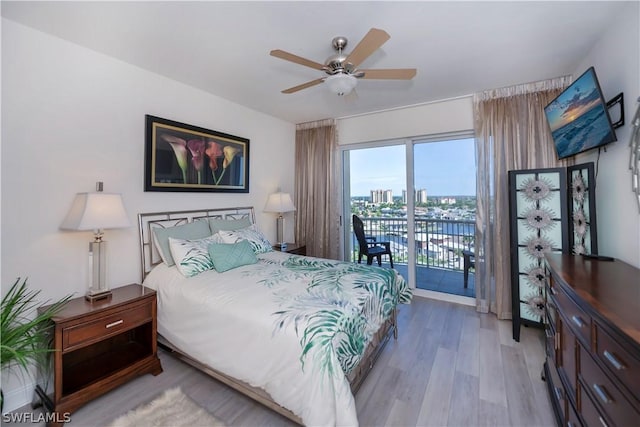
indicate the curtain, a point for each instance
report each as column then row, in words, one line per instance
column 316, row 190
column 511, row 133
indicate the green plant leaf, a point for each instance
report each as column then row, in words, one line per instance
column 23, row 337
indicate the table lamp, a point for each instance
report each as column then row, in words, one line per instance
column 280, row 203
column 96, row 211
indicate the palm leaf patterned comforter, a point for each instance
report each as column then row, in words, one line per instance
column 292, row 325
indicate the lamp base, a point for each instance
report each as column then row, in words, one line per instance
column 97, row 296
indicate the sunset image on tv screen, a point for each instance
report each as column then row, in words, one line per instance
column 578, row 117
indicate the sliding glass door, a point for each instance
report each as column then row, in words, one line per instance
column 444, row 215
column 419, row 195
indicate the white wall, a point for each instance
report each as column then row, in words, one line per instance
column 616, row 59
column 427, row 119
column 71, row 117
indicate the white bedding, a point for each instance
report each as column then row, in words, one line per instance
column 260, row 324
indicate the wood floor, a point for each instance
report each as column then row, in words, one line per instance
column 450, row 366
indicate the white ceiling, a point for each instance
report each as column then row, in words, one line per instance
column 223, row 48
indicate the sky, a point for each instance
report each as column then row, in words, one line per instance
column 443, row 168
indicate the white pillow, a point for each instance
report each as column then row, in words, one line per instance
column 192, row 256
column 259, row 243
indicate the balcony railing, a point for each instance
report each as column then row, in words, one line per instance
column 438, row 242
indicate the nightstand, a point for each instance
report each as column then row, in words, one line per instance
column 101, row 345
column 293, row 248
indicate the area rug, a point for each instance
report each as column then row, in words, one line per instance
column 171, row 409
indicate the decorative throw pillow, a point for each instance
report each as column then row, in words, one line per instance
column 194, row 230
column 192, row 256
column 259, row 243
column 226, row 256
column 217, row 224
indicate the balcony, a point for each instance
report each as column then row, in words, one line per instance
column 438, row 246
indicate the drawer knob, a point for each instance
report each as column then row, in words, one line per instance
column 578, row 321
column 116, row 323
column 613, row 360
column 602, row 393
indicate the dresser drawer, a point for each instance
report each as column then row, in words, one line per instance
column 86, row 333
column 618, row 360
column 608, row 397
column 577, row 319
column 572, row 417
column 589, row 411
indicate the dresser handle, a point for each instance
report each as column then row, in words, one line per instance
column 578, row 321
column 612, row 359
column 604, row 424
column 558, row 393
column 602, row 393
column 116, row 323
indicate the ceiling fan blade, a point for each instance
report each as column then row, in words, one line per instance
column 391, row 73
column 303, row 86
column 297, row 59
column 372, row 41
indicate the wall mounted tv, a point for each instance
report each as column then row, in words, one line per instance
column 578, row 117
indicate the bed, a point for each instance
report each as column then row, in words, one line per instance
column 298, row 334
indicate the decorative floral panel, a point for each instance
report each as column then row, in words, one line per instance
column 583, row 236
column 551, row 210
column 538, row 225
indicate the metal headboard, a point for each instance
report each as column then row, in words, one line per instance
column 149, row 255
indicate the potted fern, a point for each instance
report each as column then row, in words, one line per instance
column 24, row 338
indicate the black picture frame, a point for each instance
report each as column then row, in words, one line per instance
column 187, row 158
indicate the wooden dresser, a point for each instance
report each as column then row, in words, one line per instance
column 592, row 345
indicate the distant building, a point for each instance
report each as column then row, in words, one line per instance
column 448, row 201
column 420, row 196
column 381, row 196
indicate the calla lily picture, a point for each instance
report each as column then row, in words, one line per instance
column 182, row 157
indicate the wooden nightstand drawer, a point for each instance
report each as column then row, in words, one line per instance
column 86, row 333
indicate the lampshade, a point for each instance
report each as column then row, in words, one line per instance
column 341, row 84
column 96, row 211
column 279, row 202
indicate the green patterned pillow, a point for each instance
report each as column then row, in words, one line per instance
column 226, row 256
column 194, row 230
column 259, row 243
column 192, row 256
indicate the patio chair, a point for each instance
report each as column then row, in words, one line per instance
column 369, row 246
column 469, row 262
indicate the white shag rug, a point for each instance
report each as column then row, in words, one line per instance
column 171, row 409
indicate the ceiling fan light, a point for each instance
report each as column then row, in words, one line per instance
column 341, row 84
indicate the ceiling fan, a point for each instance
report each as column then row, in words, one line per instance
column 341, row 68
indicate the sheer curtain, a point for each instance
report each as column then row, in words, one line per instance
column 511, row 133
column 316, row 193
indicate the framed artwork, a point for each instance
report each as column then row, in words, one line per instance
column 182, row 157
